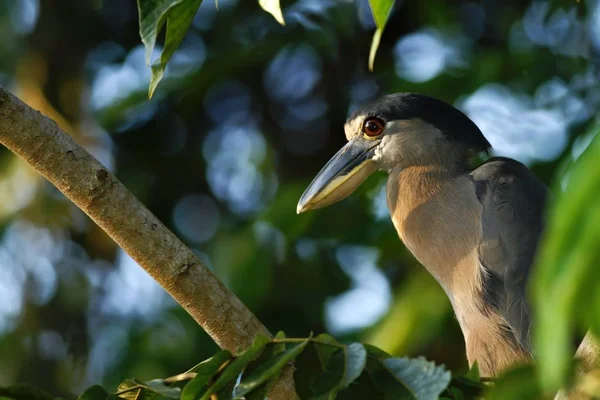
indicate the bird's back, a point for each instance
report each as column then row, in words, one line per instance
column 513, row 200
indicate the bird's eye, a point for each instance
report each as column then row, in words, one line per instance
column 373, row 127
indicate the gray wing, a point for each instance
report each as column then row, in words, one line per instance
column 513, row 201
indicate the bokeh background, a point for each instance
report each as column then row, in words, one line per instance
column 247, row 114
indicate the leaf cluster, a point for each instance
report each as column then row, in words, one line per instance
column 324, row 370
column 178, row 15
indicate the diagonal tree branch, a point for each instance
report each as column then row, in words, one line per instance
column 79, row 176
column 588, row 355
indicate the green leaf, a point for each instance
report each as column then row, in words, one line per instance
column 424, row 378
column 205, row 372
column 270, row 369
column 467, row 388
column 376, row 352
column 565, row 275
column 153, row 14
column 383, row 379
column 517, row 384
column 158, row 386
column 381, row 11
column 220, row 355
column 95, row 392
column 325, row 345
column 408, row 378
column 129, row 389
column 344, row 367
column 232, row 371
column 135, row 389
column 456, row 393
column 356, row 359
column 279, row 347
column 226, row 392
column 272, row 350
column 473, row 373
column 274, row 8
column 361, row 389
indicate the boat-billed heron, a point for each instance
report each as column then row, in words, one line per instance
column 476, row 231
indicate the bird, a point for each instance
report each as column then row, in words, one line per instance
column 475, row 230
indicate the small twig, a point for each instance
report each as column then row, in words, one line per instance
column 288, row 340
column 186, row 376
column 129, row 389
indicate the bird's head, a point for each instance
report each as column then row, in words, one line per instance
column 394, row 132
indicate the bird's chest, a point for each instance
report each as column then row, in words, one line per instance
column 440, row 225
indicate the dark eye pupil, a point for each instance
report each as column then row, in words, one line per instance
column 372, row 127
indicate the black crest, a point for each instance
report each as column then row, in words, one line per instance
column 442, row 115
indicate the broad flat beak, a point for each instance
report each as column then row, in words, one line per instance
column 346, row 170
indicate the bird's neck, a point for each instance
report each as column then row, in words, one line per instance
column 438, row 217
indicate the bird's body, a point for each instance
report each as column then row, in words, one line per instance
column 455, row 248
column 475, row 231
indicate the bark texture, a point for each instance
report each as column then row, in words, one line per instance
column 588, row 355
column 81, row 178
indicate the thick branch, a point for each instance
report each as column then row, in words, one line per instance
column 588, row 355
column 48, row 149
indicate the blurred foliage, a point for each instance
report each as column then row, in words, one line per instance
column 178, row 15
column 566, row 279
column 247, row 112
column 520, row 383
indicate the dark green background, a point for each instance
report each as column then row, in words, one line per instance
column 247, row 114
